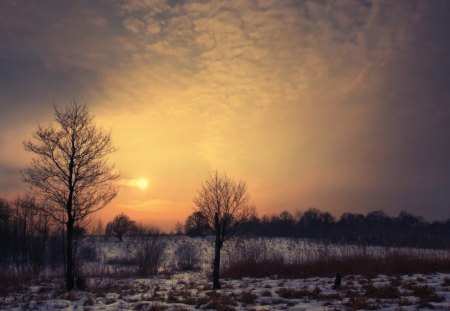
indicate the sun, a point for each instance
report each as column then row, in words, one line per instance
column 141, row 183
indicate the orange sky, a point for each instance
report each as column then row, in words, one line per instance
column 338, row 105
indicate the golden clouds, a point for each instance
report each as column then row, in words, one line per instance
column 285, row 94
column 260, row 90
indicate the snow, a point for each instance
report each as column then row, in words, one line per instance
column 178, row 291
column 190, row 291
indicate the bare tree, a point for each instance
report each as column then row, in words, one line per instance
column 225, row 204
column 120, row 225
column 70, row 173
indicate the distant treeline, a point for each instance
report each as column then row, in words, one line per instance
column 375, row 228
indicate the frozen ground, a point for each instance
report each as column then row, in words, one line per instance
column 171, row 290
column 191, row 291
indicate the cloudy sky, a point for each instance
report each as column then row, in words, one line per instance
column 339, row 105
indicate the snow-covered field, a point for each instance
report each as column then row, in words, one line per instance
column 174, row 290
column 192, row 291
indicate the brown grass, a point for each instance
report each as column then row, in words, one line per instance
column 220, row 302
column 425, row 294
column 393, row 264
column 10, row 282
column 289, row 293
column 357, row 303
column 383, row 292
column 247, row 297
column 446, row 282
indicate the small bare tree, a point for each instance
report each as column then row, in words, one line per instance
column 120, row 225
column 70, row 173
column 224, row 204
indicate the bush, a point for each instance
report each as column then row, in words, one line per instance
column 149, row 254
column 187, row 256
column 11, row 281
column 88, row 254
column 55, row 254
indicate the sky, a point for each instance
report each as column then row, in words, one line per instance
column 338, row 105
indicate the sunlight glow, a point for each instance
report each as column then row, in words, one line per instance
column 141, row 183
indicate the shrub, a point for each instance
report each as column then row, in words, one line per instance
column 187, row 256
column 425, row 294
column 10, row 281
column 247, row 297
column 220, row 302
column 289, row 293
column 383, row 292
column 88, row 254
column 149, row 254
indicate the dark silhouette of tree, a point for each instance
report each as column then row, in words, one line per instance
column 196, row 225
column 24, row 233
column 286, row 217
column 409, row 220
column 4, row 210
column 179, row 228
column 315, row 223
column 70, row 173
column 120, row 225
column 351, row 219
column 5, row 234
column 225, row 204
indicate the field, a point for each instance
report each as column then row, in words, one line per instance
column 295, row 275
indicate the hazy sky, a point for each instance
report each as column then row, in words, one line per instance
column 338, row 105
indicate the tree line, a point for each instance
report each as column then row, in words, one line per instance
column 374, row 228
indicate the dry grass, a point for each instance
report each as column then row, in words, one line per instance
column 247, row 297
column 383, row 292
column 145, row 306
column 289, row 293
column 393, row 264
column 11, row 282
column 361, row 303
column 425, row 294
column 446, row 282
column 220, row 302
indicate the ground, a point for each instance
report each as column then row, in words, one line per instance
column 112, row 284
column 192, row 291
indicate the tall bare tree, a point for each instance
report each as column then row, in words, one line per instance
column 224, row 204
column 70, row 172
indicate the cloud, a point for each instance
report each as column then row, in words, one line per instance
column 344, row 98
column 140, row 183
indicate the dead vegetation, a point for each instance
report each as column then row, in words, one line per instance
column 258, row 260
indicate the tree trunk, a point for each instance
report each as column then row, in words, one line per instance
column 70, row 275
column 216, row 267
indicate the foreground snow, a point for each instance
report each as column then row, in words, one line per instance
column 192, row 291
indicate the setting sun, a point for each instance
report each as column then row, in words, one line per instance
column 141, row 183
